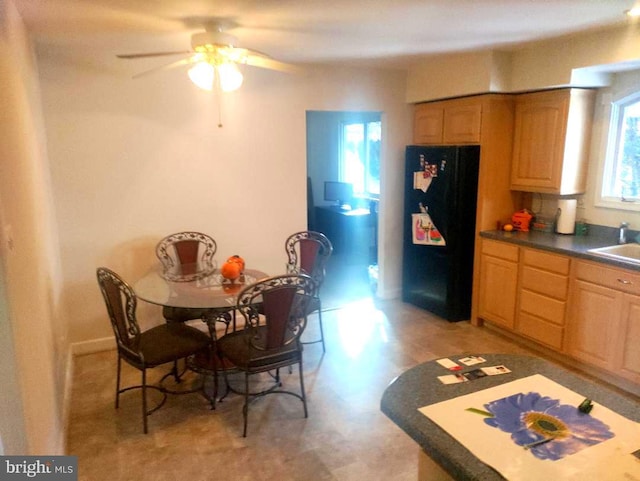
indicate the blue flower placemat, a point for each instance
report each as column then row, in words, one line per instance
column 531, row 429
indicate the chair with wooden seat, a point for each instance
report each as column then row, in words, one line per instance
column 308, row 253
column 274, row 312
column 162, row 344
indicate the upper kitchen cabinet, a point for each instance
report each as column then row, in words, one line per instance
column 452, row 122
column 551, row 140
column 428, row 123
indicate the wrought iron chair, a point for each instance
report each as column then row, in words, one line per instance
column 186, row 256
column 165, row 343
column 274, row 314
column 192, row 249
column 308, row 253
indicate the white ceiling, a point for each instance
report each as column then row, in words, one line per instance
column 389, row 32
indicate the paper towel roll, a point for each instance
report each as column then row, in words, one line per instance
column 566, row 216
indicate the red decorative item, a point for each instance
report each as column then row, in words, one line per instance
column 231, row 270
column 239, row 260
column 521, row 220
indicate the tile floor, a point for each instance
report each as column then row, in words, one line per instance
column 345, row 437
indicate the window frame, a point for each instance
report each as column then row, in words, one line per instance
column 609, row 164
column 367, row 194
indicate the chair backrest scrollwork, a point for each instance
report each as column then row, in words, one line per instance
column 184, row 255
column 121, row 303
column 308, row 252
column 278, row 304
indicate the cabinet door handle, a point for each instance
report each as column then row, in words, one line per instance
column 624, row 281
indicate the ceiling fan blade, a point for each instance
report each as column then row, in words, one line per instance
column 265, row 62
column 153, row 54
column 185, row 61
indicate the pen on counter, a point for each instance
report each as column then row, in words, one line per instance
column 538, row 443
column 585, row 406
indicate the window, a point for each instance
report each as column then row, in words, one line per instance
column 621, row 179
column 360, row 157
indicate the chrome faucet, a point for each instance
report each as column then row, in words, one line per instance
column 622, row 237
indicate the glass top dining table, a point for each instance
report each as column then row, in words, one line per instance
column 208, row 290
column 204, row 290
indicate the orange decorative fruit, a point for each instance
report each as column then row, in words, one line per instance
column 230, row 270
column 239, row 260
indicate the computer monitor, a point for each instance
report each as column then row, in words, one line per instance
column 339, row 192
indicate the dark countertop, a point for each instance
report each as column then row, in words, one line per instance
column 572, row 245
column 420, row 387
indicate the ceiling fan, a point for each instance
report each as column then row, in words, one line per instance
column 214, row 58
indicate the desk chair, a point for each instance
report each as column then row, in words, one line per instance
column 274, row 311
column 165, row 343
column 308, row 252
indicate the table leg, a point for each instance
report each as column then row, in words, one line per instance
column 211, row 317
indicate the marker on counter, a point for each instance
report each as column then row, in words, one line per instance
column 585, row 406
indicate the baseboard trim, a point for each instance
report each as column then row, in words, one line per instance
column 93, row 346
column 66, row 401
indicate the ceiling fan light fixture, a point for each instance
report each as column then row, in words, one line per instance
column 202, row 74
column 633, row 12
column 215, row 53
column 212, row 39
column 229, row 76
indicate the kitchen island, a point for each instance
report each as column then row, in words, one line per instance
column 442, row 456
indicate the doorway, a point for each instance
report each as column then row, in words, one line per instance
column 343, row 152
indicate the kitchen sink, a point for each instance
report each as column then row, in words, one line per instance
column 622, row 252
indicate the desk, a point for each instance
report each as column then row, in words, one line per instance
column 350, row 231
column 420, row 387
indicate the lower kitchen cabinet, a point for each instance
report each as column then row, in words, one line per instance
column 586, row 310
column 594, row 321
column 543, row 291
column 604, row 324
column 627, row 351
column 498, row 282
column 524, row 290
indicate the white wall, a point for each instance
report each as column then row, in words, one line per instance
column 134, row 160
column 551, row 63
column 323, row 149
column 11, row 408
column 29, row 256
column 453, row 75
column 578, row 60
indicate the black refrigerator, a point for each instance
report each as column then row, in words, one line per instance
column 441, row 186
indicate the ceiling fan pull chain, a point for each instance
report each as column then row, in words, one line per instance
column 218, row 100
